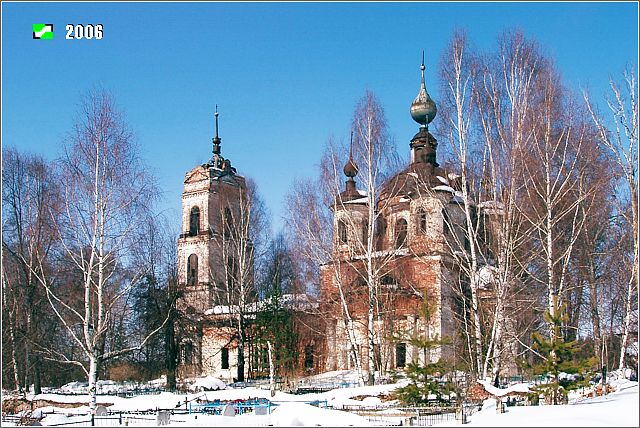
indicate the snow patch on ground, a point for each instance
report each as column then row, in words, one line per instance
column 616, row 409
column 209, row 383
column 502, row 392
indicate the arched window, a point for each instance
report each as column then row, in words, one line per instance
column 342, row 231
column 194, row 221
column 389, row 281
column 422, row 221
column 401, row 232
column 192, row 270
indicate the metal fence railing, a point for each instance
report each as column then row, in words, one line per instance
column 406, row 416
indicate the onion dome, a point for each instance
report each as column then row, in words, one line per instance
column 350, row 169
column 423, row 108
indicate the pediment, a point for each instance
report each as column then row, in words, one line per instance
column 196, row 175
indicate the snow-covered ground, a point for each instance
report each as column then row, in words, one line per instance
column 615, row 409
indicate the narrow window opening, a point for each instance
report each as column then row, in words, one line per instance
column 365, row 233
column 308, row 357
column 422, row 221
column 401, row 232
column 381, row 230
column 228, row 222
column 194, row 221
column 224, row 358
column 401, row 354
column 192, row 270
column 342, row 231
column 232, row 272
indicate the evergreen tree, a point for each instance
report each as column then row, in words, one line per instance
column 558, row 357
column 275, row 324
column 425, row 378
column 274, row 320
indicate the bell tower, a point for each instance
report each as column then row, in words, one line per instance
column 210, row 201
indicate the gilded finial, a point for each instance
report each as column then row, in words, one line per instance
column 423, row 109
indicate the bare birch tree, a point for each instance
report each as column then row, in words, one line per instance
column 106, row 193
column 310, row 226
column 244, row 230
column 619, row 136
column 376, row 159
column 458, row 81
column 504, row 96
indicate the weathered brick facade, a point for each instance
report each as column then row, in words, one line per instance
column 214, row 202
column 418, row 227
column 418, row 268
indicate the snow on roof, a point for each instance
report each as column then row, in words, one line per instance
column 357, row 201
column 299, row 301
column 443, row 180
column 444, row 188
column 452, row 176
column 383, row 253
column 218, row 310
column 491, row 204
column 362, row 192
column 457, row 197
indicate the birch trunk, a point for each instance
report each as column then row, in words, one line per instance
column 272, row 382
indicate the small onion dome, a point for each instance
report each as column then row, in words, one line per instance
column 350, row 169
column 423, row 108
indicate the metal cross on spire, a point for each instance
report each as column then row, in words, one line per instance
column 216, row 139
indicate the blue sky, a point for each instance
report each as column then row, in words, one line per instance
column 285, row 75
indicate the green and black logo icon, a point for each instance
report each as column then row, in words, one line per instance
column 43, row 31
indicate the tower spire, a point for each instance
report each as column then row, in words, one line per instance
column 422, row 67
column 216, row 140
column 351, row 147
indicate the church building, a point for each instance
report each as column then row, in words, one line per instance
column 219, row 301
column 381, row 296
column 392, row 284
column 212, row 201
